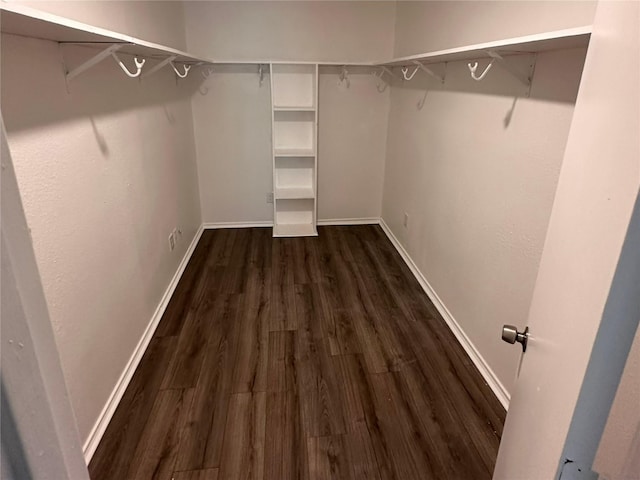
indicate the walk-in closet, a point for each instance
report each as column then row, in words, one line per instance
column 320, row 239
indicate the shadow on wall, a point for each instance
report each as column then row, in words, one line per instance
column 554, row 80
column 35, row 94
column 14, row 461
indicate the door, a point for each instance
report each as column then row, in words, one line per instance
column 590, row 220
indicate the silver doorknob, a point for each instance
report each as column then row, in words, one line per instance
column 510, row 334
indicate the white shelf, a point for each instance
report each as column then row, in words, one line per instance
column 18, row 19
column 263, row 61
column 294, row 193
column 294, row 109
column 294, row 152
column 294, row 130
column 295, row 230
column 28, row 22
column 294, row 95
column 555, row 40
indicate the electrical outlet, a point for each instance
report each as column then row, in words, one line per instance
column 270, row 197
column 172, row 242
column 405, row 222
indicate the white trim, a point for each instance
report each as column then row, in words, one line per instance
column 539, row 42
column 349, row 221
column 109, row 409
column 218, row 225
column 324, row 222
column 485, row 370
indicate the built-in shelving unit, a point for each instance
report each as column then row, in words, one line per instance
column 294, row 98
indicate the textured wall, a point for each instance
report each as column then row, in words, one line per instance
column 105, row 173
column 476, row 165
column 39, row 432
column 352, row 145
column 232, row 119
column 476, row 170
column 306, row 30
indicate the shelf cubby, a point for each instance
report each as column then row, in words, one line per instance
column 294, row 178
column 294, row 87
column 295, row 217
column 294, row 91
column 294, row 130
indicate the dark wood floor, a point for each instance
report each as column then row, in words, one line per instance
column 305, row 358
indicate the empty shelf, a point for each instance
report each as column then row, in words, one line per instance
column 30, row 22
column 293, row 109
column 294, row 230
column 556, row 40
column 294, row 152
column 294, row 192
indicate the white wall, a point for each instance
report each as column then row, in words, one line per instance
column 105, row 173
column 476, row 170
column 436, row 25
column 232, row 122
column 39, row 432
column 232, row 119
column 352, row 141
column 155, row 21
column 313, row 30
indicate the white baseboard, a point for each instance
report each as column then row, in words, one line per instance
column 109, row 409
column 485, row 370
column 217, row 225
column 349, row 221
column 323, row 222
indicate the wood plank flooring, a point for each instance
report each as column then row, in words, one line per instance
column 305, row 358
